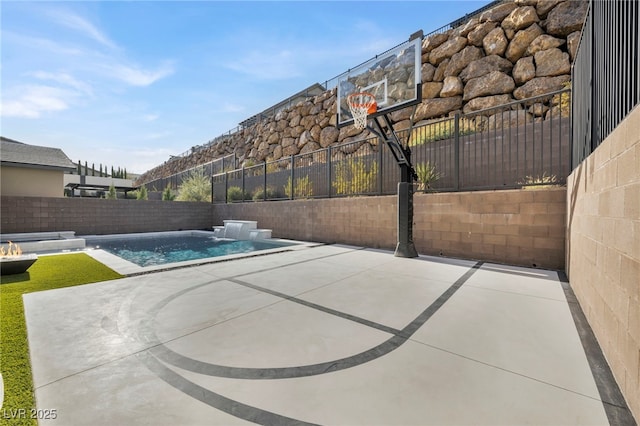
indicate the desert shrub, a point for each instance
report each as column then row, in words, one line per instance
column 259, row 193
column 302, row 188
column 168, row 195
column 235, row 193
column 141, row 193
column 427, row 175
column 356, row 177
column 197, row 187
column 111, row 193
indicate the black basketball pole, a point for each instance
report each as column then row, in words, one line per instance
column 402, row 155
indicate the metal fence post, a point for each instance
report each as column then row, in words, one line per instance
column 456, row 150
column 329, row 171
column 242, row 194
column 291, row 195
column 264, row 173
column 380, row 174
column 226, row 187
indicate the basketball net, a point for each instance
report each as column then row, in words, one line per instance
column 361, row 105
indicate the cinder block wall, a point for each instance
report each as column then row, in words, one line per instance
column 603, row 250
column 88, row 216
column 520, row 227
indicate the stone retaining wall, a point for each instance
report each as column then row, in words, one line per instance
column 513, row 51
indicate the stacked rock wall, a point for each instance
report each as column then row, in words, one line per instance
column 515, row 50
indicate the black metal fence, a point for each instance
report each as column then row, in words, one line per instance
column 228, row 162
column 606, row 73
column 518, row 144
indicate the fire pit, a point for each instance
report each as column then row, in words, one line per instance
column 12, row 261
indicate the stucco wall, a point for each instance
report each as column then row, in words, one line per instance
column 31, row 182
column 603, row 250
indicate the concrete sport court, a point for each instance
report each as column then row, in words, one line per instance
column 325, row 335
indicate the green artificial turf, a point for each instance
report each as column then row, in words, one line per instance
column 49, row 272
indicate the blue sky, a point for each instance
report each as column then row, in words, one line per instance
column 130, row 83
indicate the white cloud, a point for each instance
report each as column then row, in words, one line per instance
column 264, row 65
column 80, row 24
column 136, row 76
column 33, row 100
column 64, row 79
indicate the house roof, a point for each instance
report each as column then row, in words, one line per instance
column 14, row 153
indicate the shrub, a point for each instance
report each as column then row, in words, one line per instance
column 259, row 193
column 544, row 180
column 141, row 193
column 302, row 188
column 168, row 195
column 235, row 193
column 355, row 177
column 427, row 175
column 111, row 194
column 197, row 187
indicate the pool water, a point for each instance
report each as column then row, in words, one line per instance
column 160, row 250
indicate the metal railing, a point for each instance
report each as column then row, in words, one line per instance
column 519, row 144
column 228, row 162
column 605, row 74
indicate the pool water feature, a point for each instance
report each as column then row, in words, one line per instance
column 157, row 249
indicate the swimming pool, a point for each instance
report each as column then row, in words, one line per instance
column 165, row 248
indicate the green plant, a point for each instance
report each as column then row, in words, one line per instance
column 427, row 175
column 235, row 193
column 141, row 193
column 259, row 193
column 197, row 187
column 440, row 130
column 111, row 194
column 49, row 272
column 302, row 188
column 168, row 195
column 539, row 180
column 355, row 177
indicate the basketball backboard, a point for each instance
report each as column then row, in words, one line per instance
column 392, row 77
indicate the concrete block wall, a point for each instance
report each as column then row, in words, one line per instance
column 603, row 250
column 520, row 227
column 88, row 216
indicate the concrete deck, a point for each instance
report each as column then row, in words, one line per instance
column 327, row 335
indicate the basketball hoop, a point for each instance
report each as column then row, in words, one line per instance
column 361, row 105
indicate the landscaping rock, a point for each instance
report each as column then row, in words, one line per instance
column 486, row 102
column 447, row 50
column 520, row 18
column 476, row 36
column 524, row 70
column 437, row 107
column 431, row 90
column 543, row 42
column 552, row 62
column 495, row 42
column 540, row 86
column 566, row 18
column 484, row 66
column 521, row 42
column 460, row 60
column 452, row 87
column 498, row 13
column 494, row 83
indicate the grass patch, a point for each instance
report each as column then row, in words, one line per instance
column 49, row 272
